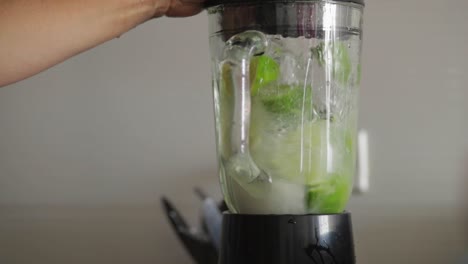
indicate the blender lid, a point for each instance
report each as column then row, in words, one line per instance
column 211, row 3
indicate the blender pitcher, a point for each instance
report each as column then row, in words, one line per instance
column 286, row 77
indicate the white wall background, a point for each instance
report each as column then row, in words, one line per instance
column 88, row 147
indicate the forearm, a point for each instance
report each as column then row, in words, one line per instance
column 36, row 34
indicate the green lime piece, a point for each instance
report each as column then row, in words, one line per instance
column 286, row 101
column 329, row 197
column 342, row 63
column 263, row 71
column 318, row 53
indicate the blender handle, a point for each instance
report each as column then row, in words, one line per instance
column 238, row 52
column 242, row 106
column 362, row 169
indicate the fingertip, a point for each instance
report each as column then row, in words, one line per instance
column 184, row 9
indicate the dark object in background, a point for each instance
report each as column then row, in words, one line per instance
column 202, row 243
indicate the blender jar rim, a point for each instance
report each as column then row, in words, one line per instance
column 213, row 3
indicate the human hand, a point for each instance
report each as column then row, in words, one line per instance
column 177, row 8
column 38, row 34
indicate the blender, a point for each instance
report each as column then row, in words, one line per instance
column 286, row 77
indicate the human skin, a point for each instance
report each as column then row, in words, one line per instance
column 38, row 34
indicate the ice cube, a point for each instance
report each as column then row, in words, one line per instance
column 291, row 72
column 242, row 169
column 248, row 43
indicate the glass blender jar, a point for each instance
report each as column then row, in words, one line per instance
column 286, row 77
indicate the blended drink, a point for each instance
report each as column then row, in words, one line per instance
column 302, row 131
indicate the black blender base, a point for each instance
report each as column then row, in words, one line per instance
column 287, row 239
